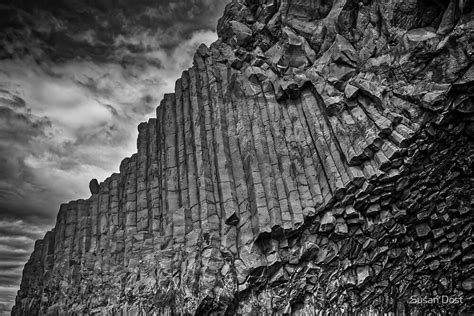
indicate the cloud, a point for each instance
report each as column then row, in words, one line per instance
column 16, row 242
column 101, row 31
column 7, row 296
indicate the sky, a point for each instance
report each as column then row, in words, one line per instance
column 76, row 78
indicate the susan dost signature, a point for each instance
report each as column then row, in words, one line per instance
column 435, row 300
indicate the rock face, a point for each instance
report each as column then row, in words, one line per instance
column 317, row 158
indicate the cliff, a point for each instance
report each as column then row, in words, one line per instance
column 317, row 158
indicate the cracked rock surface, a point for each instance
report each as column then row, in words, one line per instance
column 317, row 158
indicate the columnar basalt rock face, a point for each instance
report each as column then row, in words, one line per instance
column 318, row 157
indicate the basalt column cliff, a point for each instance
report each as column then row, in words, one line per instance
column 317, row 158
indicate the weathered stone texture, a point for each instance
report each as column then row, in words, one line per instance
column 317, row 158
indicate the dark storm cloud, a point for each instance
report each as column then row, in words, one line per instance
column 101, row 30
column 19, row 129
column 17, row 256
column 19, row 126
column 11, row 101
column 12, row 231
column 16, row 240
column 10, row 277
column 7, row 295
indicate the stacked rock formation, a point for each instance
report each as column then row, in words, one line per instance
column 317, row 158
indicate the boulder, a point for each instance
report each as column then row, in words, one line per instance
column 94, row 186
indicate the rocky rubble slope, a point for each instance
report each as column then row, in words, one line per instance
column 317, row 158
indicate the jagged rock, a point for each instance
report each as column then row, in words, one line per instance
column 341, row 227
column 327, row 222
column 363, row 273
column 468, row 284
column 422, row 230
column 318, row 156
column 241, row 34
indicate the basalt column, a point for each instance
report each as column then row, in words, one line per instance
column 317, row 158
